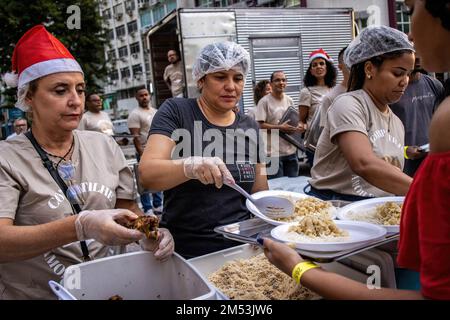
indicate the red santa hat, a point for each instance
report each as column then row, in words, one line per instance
column 38, row 53
column 319, row 53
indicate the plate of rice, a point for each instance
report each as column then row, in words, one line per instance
column 385, row 211
column 304, row 206
column 319, row 233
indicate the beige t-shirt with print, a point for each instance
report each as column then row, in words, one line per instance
column 99, row 122
column 311, row 97
column 174, row 73
column 271, row 110
column 29, row 196
column 141, row 118
column 355, row 111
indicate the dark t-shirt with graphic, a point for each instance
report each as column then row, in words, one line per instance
column 192, row 210
column 416, row 107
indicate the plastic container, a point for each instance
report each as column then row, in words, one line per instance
column 210, row 263
column 137, row 276
column 374, row 257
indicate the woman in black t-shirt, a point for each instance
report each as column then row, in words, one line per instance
column 197, row 143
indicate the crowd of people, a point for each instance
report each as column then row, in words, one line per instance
column 74, row 208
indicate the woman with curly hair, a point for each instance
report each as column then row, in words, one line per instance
column 319, row 79
column 424, row 244
column 261, row 89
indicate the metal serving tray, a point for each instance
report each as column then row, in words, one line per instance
column 248, row 231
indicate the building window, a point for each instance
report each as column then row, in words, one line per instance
column 125, row 72
column 171, row 5
column 130, row 5
column 132, row 26
column 120, row 31
column 107, row 14
column 110, row 35
column 137, row 69
column 146, row 18
column 292, row 3
column 114, row 75
column 206, row 3
column 111, row 55
column 403, row 21
column 134, row 48
column 158, row 12
column 118, row 9
column 123, row 51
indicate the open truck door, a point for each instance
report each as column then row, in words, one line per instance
column 276, row 38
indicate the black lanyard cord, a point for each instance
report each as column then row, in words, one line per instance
column 55, row 175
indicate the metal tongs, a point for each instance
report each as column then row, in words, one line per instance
column 271, row 206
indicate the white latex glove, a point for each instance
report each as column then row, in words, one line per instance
column 163, row 247
column 207, row 169
column 105, row 226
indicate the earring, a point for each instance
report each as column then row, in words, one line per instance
column 369, row 76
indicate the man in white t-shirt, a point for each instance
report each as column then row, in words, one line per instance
column 94, row 119
column 173, row 74
column 20, row 125
column 269, row 111
column 139, row 122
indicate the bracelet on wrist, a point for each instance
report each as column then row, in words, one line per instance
column 301, row 268
column 404, row 152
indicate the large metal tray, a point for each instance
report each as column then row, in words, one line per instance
column 248, row 231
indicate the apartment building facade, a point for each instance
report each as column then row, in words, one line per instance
column 128, row 20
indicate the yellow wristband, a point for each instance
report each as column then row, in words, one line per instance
column 301, row 268
column 404, row 152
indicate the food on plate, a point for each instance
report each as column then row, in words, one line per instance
column 308, row 206
column 387, row 214
column 317, row 227
column 147, row 225
column 257, row 279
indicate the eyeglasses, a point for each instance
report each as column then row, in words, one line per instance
column 74, row 193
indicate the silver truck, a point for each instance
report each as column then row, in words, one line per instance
column 276, row 38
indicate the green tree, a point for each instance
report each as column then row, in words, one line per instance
column 86, row 44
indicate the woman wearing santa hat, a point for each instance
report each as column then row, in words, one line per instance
column 71, row 209
column 319, row 79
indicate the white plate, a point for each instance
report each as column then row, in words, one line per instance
column 368, row 206
column 293, row 196
column 359, row 233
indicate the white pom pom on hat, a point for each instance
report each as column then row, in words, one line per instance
column 11, row 79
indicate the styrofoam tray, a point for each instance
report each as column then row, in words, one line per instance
column 367, row 206
column 359, row 233
column 137, row 276
column 293, row 196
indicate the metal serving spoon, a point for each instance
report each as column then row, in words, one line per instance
column 272, row 206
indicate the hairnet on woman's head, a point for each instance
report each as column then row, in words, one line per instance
column 221, row 56
column 374, row 41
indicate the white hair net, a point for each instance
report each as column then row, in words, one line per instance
column 221, row 56
column 374, row 41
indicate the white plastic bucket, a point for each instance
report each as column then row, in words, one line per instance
column 134, row 276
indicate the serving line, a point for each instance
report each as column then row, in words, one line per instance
column 248, row 231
